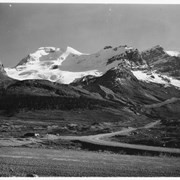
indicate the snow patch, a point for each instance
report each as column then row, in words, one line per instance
column 38, row 71
column 93, row 61
column 156, row 78
column 173, row 53
column 36, row 55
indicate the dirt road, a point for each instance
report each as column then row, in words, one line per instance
column 99, row 139
column 103, row 139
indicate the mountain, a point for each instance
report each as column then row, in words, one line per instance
column 163, row 68
column 120, row 74
column 161, row 61
column 117, row 89
column 120, row 79
column 66, row 65
column 44, row 64
column 48, row 53
column 2, row 72
column 36, row 94
column 43, row 94
column 120, row 83
column 4, row 78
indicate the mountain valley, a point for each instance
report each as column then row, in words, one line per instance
column 63, row 92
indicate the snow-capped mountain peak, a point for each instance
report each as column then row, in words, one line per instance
column 64, row 65
column 73, row 51
column 37, row 54
column 69, row 50
column 49, row 53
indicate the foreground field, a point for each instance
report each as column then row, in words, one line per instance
column 44, row 162
column 67, row 140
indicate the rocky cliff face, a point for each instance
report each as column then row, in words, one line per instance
column 2, row 68
column 154, row 54
column 5, row 81
column 160, row 61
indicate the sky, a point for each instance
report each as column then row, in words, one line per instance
column 85, row 27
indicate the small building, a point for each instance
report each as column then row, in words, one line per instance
column 31, row 135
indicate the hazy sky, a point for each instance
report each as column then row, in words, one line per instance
column 87, row 28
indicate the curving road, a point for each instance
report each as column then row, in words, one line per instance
column 103, row 139
column 168, row 101
column 99, row 139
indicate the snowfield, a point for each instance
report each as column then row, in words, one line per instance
column 38, row 71
column 66, row 65
column 156, row 78
column 173, row 53
column 70, row 65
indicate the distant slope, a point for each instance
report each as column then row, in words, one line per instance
column 123, row 85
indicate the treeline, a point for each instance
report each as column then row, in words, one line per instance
column 12, row 103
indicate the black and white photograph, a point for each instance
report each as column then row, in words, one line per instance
column 89, row 89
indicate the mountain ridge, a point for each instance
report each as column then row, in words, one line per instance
column 66, row 65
